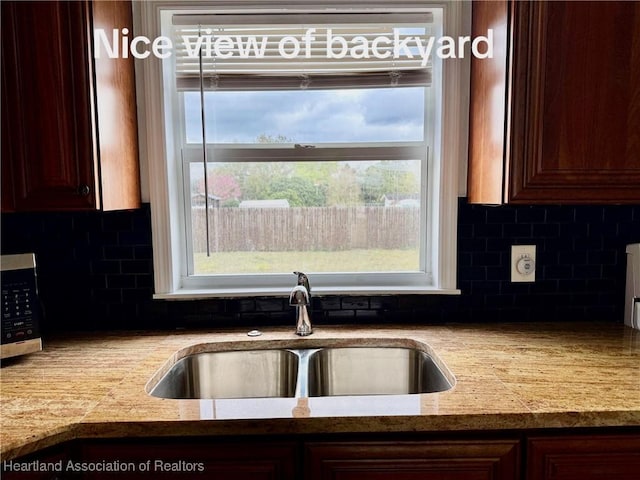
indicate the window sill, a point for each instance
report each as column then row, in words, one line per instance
column 196, row 294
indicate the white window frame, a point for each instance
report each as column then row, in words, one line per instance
column 167, row 211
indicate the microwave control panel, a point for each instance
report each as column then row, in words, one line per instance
column 19, row 305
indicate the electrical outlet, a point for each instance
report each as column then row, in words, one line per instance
column 523, row 263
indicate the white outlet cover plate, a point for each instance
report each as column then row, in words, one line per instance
column 523, row 263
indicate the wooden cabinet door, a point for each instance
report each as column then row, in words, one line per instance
column 192, row 459
column 576, row 102
column 596, row 457
column 428, row 460
column 69, row 124
column 48, row 157
column 555, row 115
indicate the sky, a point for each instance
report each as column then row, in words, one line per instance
column 309, row 116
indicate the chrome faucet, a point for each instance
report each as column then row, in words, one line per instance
column 300, row 298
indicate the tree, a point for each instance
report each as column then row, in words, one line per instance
column 298, row 191
column 221, row 185
column 253, row 178
column 319, row 173
column 381, row 179
column 343, row 188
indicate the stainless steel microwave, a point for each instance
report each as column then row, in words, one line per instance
column 20, row 306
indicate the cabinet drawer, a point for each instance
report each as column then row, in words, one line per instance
column 423, row 460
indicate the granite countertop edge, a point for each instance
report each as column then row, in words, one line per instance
column 501, row 372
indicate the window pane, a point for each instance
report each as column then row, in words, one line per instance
column 308, row 116
column 277, row 217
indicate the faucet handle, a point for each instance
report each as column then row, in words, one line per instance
column 304, row 281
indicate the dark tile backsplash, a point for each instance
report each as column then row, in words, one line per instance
column 95, row 272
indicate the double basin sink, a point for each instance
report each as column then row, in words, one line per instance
column 301, row 372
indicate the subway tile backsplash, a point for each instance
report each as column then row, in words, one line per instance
column 95, row 272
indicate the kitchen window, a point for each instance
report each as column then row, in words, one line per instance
column 301, row 138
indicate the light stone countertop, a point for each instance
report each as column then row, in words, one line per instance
column 508, row 376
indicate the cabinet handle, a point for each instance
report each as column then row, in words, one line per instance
column 84, row 190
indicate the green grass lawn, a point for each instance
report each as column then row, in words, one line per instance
column 285, row 262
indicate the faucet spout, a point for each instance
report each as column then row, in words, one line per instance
column 300, row 298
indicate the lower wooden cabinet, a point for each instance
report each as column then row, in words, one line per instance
column 420, row 460
column 527, row 455
column 593, row 457
column 177, row 459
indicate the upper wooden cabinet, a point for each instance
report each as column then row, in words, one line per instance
column 69, row 126
column 555, row 115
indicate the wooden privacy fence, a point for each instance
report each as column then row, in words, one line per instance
column 306, row 228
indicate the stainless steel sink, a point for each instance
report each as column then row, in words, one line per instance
column 234, row 374
column 306, row 372
column 373, row 371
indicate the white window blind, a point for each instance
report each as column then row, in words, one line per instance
column 258, row 51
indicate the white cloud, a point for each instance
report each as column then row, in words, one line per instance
column 310, row 116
